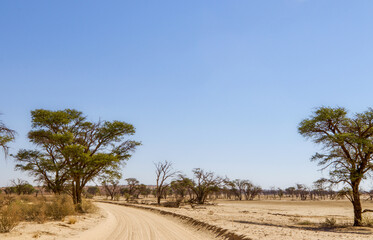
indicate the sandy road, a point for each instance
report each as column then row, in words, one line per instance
column 126, row 223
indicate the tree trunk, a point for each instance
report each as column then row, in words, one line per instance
column 159, row 199
column 356, row 203
column 77, row 195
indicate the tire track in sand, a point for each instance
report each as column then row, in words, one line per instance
column 126, row 223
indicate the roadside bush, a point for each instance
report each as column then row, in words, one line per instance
column 72, row 220
column 329, row 222
column 367, row 221
column 60, row 207
column 171, row 204
column 35, row 211
column 89, row 196
column 305, row 223
column 9, row 217
column 88, row 206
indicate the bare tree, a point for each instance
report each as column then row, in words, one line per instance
column 163, row 171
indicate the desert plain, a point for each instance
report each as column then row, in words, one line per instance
column 258, row 219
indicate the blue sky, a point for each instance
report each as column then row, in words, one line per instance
column 220, row 85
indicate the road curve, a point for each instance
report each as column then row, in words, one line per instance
column 126, row 223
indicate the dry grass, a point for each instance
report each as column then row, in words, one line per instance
column 60, row 207
column 329, row 223
column 72, row 220
column 88, row 206
column 9, row 217
column 367, row 221
column 14, row 209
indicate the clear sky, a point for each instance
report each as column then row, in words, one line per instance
column 220, row 85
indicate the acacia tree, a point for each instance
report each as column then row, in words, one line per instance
column 93, row 190
column 204, row 183
column 47, row 167
column 6, row 136
column 132, row 184
column 348, row 146
column 182, row 186
column 238, row 187
column 110, row 182
column 251, row 191
column 163, row 171
column 70, row 145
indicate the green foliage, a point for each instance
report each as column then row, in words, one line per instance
column 6, row 136
column 181, row 186
column 22, row 187
column 70, row 148
column 93, row 190
column 348, row 147
column 204, row 183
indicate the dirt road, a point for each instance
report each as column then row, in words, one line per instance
column 135, row 224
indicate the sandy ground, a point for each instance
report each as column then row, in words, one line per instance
column 129, row 223
column 113, row 222
column 55, row 230
column 285, row 220
column 267, row 220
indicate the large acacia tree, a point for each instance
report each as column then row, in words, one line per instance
column 71, row 151
column 348, row 148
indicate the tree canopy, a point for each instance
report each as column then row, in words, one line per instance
column 348, row 147
column 6, row 136
column 71, row 151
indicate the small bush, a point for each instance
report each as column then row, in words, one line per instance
column 367, row 221
column 171, row 204
column 304, row 223
column 71, row 220
column 88, row 206
column 9, row 217
column 329, row 222
column 35, row 212
column 27, row 198
column 60, row 207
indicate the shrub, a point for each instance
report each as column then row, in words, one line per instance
column 329, row 222
column 71, row 220
column 305, row 223
column 171, row 204
column 35, row 211
column 367, row 221
column 9, row 217
column 88, row 206
column 60, row 207
column 89, row 196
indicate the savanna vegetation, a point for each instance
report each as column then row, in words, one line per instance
column 71, row 152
